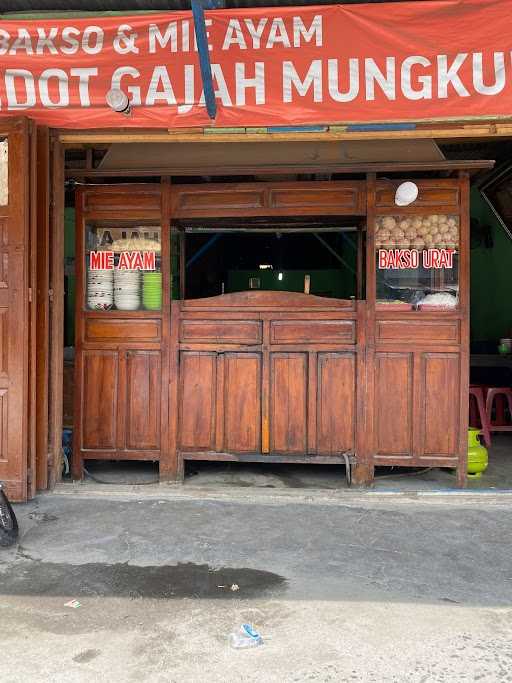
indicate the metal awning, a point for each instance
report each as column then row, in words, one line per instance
column 175, row 158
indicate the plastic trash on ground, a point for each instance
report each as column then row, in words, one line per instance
column 244, row 638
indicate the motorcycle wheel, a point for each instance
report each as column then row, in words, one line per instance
column 8, row 522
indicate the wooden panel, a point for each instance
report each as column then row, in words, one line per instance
column 4, row 343
column 393, row 403
column 114, row 199
column 4, row 253
column 288, row 403
column 197, row 409
column 197, row 200
column 336, row 402
column 242, row 402
column 4, row 425
column 426, row 331
column 325, row 198
column 268, row 199
column 227, row 331
column 143, row 387
column 313, row 331
column 99, row 399
column 432, row 194
column 126, row 331
column 440, row 407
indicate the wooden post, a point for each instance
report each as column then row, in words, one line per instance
column 363, row 472
column 56, row 312
column 464, row 292
column 42, row 300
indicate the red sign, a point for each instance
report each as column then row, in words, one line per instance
column 280, row 66
column 128, row 260
column 400, row 259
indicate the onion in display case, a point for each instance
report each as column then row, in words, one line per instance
column 437, row 231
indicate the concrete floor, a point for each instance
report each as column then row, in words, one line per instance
column 210, row 476
column 350, row 588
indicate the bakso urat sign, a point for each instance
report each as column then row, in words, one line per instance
column 270, row 66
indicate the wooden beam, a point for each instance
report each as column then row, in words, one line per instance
column 374, row 167
column 470, row 132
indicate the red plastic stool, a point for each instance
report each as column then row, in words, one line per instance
column 498, row 395
column 479, row 412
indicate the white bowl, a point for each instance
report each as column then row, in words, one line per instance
column 127, row 307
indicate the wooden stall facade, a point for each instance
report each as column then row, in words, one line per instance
column 273, row 376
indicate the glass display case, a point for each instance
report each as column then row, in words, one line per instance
column 123, row 267
column 417, row 260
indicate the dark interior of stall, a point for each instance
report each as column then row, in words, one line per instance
column 223, row 256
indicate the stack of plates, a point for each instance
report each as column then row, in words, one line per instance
column 127, row 290
column 152, row 291
column 100, row 289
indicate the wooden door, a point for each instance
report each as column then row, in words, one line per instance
column 264, row 376
column 418, row 397
column 335, row 392
column 121, row 397
column 220, row 407
column 312, row 402
column 100, row 389
column 142, row 415
column 242, row 402
column 14, row 307
column 288, row 402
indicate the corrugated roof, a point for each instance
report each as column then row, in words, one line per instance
column 150, row 5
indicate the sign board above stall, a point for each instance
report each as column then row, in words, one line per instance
column 270, row 66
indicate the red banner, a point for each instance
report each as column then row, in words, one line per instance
column 281, row 66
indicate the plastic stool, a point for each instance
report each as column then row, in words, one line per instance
column 495, row 394
column 481, row 413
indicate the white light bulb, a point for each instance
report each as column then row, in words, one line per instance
column 118, row 101
column 406, row 193
column 280, row 276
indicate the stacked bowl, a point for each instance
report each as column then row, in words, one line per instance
column 127, row 290
column 100, row 289
column 152, row 291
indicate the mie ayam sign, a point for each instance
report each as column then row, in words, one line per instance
column 128, row 260
column 398, row 61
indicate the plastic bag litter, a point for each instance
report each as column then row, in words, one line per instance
column 244, row 638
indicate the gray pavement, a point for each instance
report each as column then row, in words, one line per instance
column 342, row 587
